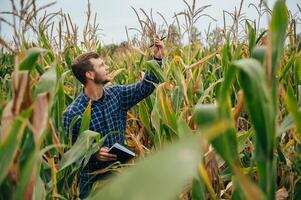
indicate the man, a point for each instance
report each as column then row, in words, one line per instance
column 108, row 109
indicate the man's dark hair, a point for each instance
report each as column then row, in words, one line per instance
column 82, row 64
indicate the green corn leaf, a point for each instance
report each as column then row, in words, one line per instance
column 225, row 144
column 258, row 101
column 252, row 36
column 205, row 115
column 177, row 99
column 297, row 70
column 246, row 188
column 299, row 47
column 156, row 118
column 287, row 67
column 227, row 140
column 11, row 143
column 208, row 90
column 153, row 66
column 30, row 169
column 180, row 80
column 183, row 128
column 243, row 138
column 286, row 124
column 39, row 69
column 80, row 148
column 143, row 115
column 47, row 82
column 198, row 189
column 43, row 40
column 297, row 189
column 85, row 121
column 39, row 189
column 226, row 56
column 148, row 179
column 145, row 118
column 168, row 116
column 68, row 58
column 31, row 57
column 292, row 106
column 72, row 124
column 259, row 53
column 281, row 157
column 278, row 30
column 261, row 36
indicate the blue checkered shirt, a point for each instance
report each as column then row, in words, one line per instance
column 109, row 113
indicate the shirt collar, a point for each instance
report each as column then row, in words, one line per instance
column 106, row 93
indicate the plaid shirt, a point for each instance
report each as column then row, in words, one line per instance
column 109, row 113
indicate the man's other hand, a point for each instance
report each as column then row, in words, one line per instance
column 103, row 155
column 158, row 47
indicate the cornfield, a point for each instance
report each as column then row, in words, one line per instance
column 223, row 123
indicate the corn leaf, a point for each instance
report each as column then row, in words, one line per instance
column 10, row 145
column 258, row 101
column 85, row 121
column 31, row 57
column 47, row 82
column 80, row 148
column 292, row 107
column 159, row 170
column 154, row 67
column 251, row 36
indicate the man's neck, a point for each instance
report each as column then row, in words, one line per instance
column 94, row 91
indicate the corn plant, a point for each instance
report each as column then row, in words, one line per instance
column 223, row 122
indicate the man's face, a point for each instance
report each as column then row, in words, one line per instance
column 101, row 71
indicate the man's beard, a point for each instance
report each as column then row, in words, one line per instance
column 103, row 82
column 98, row 80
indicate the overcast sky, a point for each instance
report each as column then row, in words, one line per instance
column 114, row 15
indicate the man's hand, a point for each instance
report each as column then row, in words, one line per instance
column 103, row 155
column 158, row 47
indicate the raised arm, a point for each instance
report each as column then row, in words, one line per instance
column 132, row 94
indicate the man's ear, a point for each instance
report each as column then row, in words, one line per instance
column 89, row 75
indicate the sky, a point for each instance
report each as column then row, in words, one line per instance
column 114, row 15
